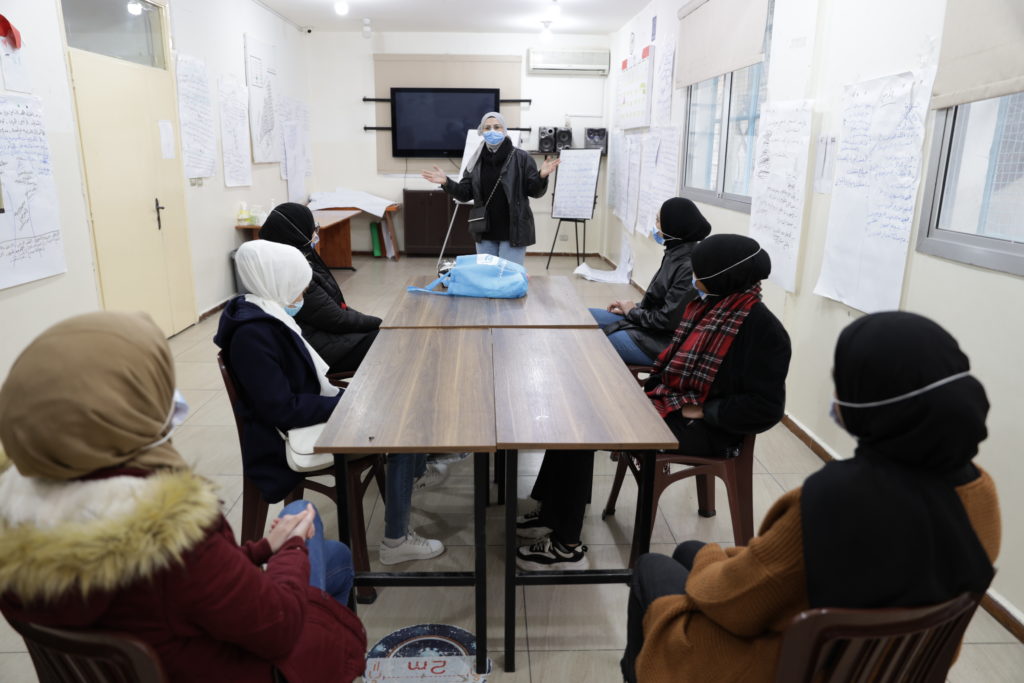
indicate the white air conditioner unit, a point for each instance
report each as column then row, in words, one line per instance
column 563, row 62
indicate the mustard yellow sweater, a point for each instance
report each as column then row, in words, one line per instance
column 727, row 626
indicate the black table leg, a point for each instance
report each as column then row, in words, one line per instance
column 511, row 497
column 644, row 501
column 482, row 489
column 341, row 494
column 499, row 475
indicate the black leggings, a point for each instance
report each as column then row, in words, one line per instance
column 654, row 576
column 563, row 489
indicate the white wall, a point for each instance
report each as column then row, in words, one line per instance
column 822, row 46
column 214, row 32
column 341, row 74
column 30, row 308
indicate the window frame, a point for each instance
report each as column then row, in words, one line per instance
column 977, row 250
column 719, row 197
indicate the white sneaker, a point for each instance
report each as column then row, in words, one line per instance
column 435, row 475
column 529, row 526
column 447, row 458
column 412, row 547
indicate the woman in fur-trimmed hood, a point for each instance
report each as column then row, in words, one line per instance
column 104, row 527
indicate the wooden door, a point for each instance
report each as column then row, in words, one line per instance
column 142, row 254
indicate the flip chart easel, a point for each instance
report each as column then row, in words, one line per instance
column 574, row 196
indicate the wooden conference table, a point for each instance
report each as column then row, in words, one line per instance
column 495, row 390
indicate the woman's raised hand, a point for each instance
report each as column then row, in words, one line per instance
column 549, row 165
column 436, row 175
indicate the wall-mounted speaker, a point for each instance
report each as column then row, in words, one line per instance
column 563, row 138
column 546, row 139
column 596, row 138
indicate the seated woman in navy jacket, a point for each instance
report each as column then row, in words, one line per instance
column 282, row 385
column 340, row 334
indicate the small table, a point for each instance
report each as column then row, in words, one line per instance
column 335, row 246
column 568, row 389
column 394, row 405
column 550, row 302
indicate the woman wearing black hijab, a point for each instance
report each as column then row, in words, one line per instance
column 722, row 376
column 639, row 332
column 341, row 335
column 908, row 521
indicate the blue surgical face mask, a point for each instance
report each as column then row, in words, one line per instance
column 293, row 309
column 833, row 412
column 702, row 294
column 494, row 137
column 316, row 238
column 658, row 237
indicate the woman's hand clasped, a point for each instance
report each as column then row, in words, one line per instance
column 283, row 528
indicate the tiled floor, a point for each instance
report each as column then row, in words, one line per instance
column 572, row 633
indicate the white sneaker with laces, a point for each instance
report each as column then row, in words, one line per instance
column 529, row 526
column 435, row 475
column 549, row 554
column 412, row 547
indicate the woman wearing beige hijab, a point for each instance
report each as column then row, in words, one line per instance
column 104, row 527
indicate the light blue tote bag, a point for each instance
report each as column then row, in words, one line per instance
column 481, row 275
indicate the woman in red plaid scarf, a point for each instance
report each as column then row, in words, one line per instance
column 723, row 376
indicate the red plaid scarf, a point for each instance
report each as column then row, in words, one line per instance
column 689, row 364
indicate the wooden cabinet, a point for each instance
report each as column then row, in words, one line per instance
column 427, row 214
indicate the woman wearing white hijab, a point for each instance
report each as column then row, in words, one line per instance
column 282, row 385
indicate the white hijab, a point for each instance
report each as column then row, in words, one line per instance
column 276, row 275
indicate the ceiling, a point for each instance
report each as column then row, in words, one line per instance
column 470, row 16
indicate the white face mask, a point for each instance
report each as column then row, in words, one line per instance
column 179, row 412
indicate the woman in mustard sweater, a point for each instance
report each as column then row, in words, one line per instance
column 909, row 520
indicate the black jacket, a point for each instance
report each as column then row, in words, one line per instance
column 278, row 389
column 748, row 395
column 331, row 328
column 520, row 182
column 652, row 322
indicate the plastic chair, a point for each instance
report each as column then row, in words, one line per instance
column 735, row 470
column 905, row 645
column 62, row 656
column 362, row 470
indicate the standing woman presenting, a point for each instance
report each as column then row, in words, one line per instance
column 502, row 179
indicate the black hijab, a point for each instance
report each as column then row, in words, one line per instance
column 887, row 528
column 293, row 224
column 680, row 218
column 727, row 264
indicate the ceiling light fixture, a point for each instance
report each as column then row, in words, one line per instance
column 134, row 8
column 367, row 31
column 545, row 33
column 341, row 8
column 554, row 11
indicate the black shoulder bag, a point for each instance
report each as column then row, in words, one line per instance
column 478, row 214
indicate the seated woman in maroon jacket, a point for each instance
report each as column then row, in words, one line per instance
column 723, row 376
column 104, row 527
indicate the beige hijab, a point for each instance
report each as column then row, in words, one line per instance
column 92, row 392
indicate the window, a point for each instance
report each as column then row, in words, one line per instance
column 127, row 30
column 976, row 185
column 717, row 170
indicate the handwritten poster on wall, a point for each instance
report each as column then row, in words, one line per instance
column 633, row 95
column 617, row 172
column 778, row 185
column 31, row 246
column 661, row 181
column 576, row 184
column 633, row 159
column 261, row 77
column 878, row 167
column 195, row 110
column 664, row 86
column 234, row 131
column 648, row 168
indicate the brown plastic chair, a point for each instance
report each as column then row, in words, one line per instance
column 736, row 471
column 904, row 645
column 62, row 656
column 362, row 470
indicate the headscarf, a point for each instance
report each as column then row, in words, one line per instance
column 680, row 218
column 276, row 275
column 292, row 224
column 92, row 392
column 887, row 527
column 726, row 264
column 491, row 115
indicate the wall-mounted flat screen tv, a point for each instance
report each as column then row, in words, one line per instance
column 432, row 122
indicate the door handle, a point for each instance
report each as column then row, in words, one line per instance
column 156, row 203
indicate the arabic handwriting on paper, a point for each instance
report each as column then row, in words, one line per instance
column 777, row 188
column 234, row 132
column 576, row 184
column 31, row 246
column 195, row 110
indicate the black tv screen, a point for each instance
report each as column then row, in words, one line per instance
column 432, row 122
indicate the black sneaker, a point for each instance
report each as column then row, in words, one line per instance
column 550, row 554
column 529, row 526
